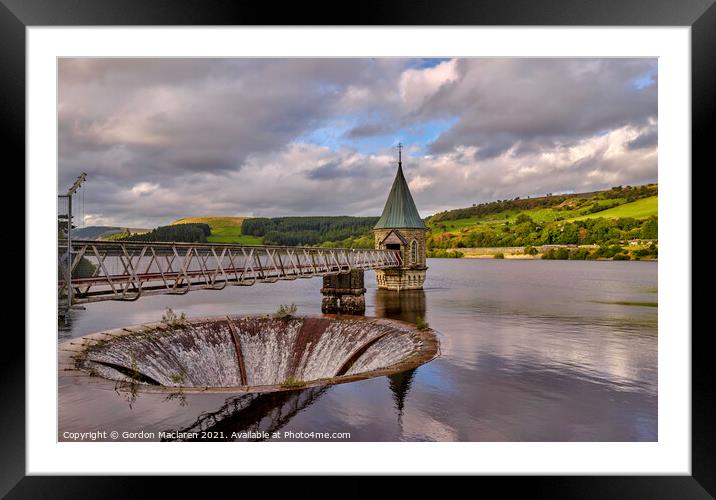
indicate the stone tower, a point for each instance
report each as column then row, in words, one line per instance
column 401, row 228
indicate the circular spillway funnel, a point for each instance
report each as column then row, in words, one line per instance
column 248, row 354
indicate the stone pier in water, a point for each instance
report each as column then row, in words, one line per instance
column 343, row 293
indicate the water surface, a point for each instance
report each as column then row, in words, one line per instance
column 531, row 351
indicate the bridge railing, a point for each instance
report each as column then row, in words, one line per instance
column 110, row 270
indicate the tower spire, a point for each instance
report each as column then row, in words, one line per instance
column 401, row 229
column 399, row 210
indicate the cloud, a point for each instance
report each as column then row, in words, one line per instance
column 647, row 138
column 194, row 115
column 419, row 184
column 162, row 139
column 417, row 85
column 370, row 129
column 144, row 188
column 505, row 102
column 339, row 168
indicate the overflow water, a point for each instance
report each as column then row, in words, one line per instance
column 250, row 353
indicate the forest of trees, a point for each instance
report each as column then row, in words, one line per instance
column 615, row 252
column 309, row 231
column 185, row 233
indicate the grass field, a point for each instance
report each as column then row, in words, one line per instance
column 639, row 209
column 224, row 229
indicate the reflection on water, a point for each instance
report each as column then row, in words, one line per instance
column 400, row 385
column 251, row 417
column 531, row 351
column 407, row 305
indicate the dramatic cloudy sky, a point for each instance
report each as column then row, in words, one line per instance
column 162, row 139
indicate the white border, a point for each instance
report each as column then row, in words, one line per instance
column 671, row 454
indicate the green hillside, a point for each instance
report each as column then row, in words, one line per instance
column 602, row 217
column 640, row 209
column 223, row 229
column 326, row 231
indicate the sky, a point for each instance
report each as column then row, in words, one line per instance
column 163, row 139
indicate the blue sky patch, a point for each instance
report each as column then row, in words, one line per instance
column 336, row 135
column 645, row 80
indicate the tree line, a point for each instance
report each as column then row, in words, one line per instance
column 526, row 232
column 183, row 233
column 615, row 252
column 308, row 231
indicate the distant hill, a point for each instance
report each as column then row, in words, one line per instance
column 640, row 209
column 600, row 217
column 224, row 229
column 103, row 232
column 592, row 218
column 327, row 231
column 551, row 207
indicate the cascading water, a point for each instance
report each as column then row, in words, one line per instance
column 252, row 353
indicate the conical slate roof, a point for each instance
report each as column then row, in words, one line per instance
column 400, row 211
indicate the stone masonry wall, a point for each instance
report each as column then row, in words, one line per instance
column 343, row 293
column 410, row 276
column 409, row 235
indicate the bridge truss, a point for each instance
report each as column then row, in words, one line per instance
column 108, row 270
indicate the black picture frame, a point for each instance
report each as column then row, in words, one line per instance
column 17, row 15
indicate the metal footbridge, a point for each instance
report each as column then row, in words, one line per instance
column 92, row 271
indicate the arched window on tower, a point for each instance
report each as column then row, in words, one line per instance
column 413, row 252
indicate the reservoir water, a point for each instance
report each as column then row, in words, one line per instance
column 530, row 351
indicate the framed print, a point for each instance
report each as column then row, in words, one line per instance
column 427, row 241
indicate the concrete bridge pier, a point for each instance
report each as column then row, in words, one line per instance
column 343, row 293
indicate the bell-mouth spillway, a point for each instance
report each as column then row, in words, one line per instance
column 249, row 354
